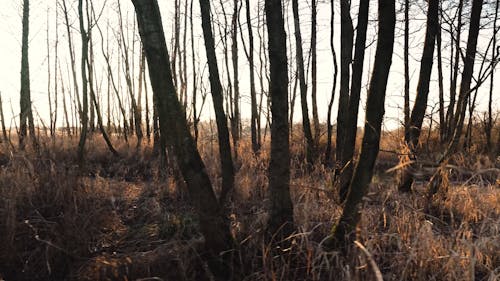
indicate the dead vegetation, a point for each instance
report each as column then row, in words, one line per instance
column 122, row 219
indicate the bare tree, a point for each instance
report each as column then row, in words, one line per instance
column 468, row 70
column 281, row 217
column 328, row 151
column 253, row 94
column 346, row 44
column 314, row 71
column 348, row 143
column 26, row 116
column 489, row 122
column 216, row 87
column 85, row 106
column 420, row 105
column 214, row 226
column 306, row 125
column 406, row 55
column 344, row 232
column 235, row 120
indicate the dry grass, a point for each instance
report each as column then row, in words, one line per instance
column 121, row 219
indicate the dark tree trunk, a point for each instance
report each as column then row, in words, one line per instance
column 26, row 116
column 85, row 106
column 4, row 130
column 174, row 128
column 442, row 116
column 407, row 67
column 351, row 125
column 454, row 76
column 218, row 101
column 489, row 121
column 235, row 121
column 420, row 105
column 281, row 216
column 306, row 125
column 253, row 94
column 343, row 234
column 314, row 72
column 328, row 151
column 468, row 70
column 346, row 44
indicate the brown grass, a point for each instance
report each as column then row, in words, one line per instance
column 122, row 219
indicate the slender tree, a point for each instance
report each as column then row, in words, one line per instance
column 85, row 106
column 235, row 121
column 281, row 216
column 344, row 232
column 314, row 71
column 420, row 105
column 489, row 121
column 346, row 45
column 174, row 128
column 328, row 151
column 253, row 93
column 468, row 70
column 406, row 54
column 348, row 143
column 220, row 116
column 306, row 125
column 26, row 116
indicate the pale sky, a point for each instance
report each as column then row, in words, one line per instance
column 10, row 50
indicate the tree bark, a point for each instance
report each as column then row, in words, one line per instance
column 235, row 121
column 328, row 151
column 407, row 67
column 85, row 106
column 214, row 226
column 489, row 121
column 351, row 125
column 468, row 70
column 253, row 94
column 306, row 125
column 314, row 72
column 26, row 116
column 343, row 234
column 346, row 44
column 420, row 105
column 218, row 101
column 281, row 214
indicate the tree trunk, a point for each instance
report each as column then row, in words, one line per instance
column 314, row 72
column 442, row 116
column 328, row 151
column 85, row 106
column 351, row 125
column 420, row 105
column 218, row 101
column 235, row 121
column 343, row 234
column 453, row 83
column 489, row 121
column 407, row 67
column 214, row 226
column 281, row 216
column 136, row 114
column 306, row 125
column 468, row 70
column 4, row 130
column 26, row 116
column 253, row 94
column 346, row 38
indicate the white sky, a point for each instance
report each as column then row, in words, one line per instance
column 10, row 51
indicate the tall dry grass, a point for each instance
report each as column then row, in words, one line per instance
column 123, row 219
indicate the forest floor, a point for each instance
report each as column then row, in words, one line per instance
column 125, row 218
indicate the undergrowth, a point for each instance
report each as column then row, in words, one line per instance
column 122, row 218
